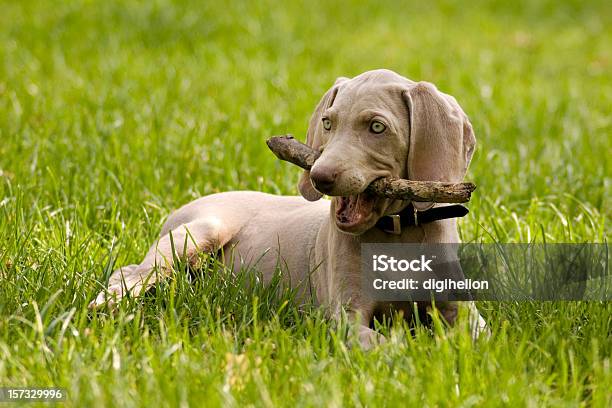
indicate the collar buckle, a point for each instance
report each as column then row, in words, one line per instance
column 411, row 216
column 397, row 225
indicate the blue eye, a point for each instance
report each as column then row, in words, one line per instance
column 377, row 127
column 327, row 124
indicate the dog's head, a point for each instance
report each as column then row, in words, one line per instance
column 380, row 124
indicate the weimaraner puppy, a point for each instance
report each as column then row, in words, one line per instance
column 377, row 124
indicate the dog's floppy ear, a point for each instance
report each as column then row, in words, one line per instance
column 441, row 138
column 313, row 140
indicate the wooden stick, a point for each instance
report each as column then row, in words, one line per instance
column 289, row 149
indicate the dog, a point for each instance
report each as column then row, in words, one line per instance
column 377, row 124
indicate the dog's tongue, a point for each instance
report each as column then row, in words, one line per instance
column 354, row 209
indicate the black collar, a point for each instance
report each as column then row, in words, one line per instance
column 410, row 217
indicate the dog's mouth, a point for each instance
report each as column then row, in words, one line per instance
column 354, row 211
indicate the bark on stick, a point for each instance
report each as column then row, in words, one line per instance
column 290, row 149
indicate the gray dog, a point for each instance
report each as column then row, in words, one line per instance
column 378, row 124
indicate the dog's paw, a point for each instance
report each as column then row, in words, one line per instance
column 122, row 278
column 366, row 338
column 108, row 297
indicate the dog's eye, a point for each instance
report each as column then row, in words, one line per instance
column 377, row 127
column 326, row 124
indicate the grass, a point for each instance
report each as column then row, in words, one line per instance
column 114, row 113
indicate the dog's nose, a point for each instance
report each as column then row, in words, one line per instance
column 323, row 178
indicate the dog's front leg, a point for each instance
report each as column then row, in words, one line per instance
column 358, row 318
column 347, row 309
column 337, row 279
column 183, row 242
column 367, row 337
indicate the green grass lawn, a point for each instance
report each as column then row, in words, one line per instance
column 113, row 113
